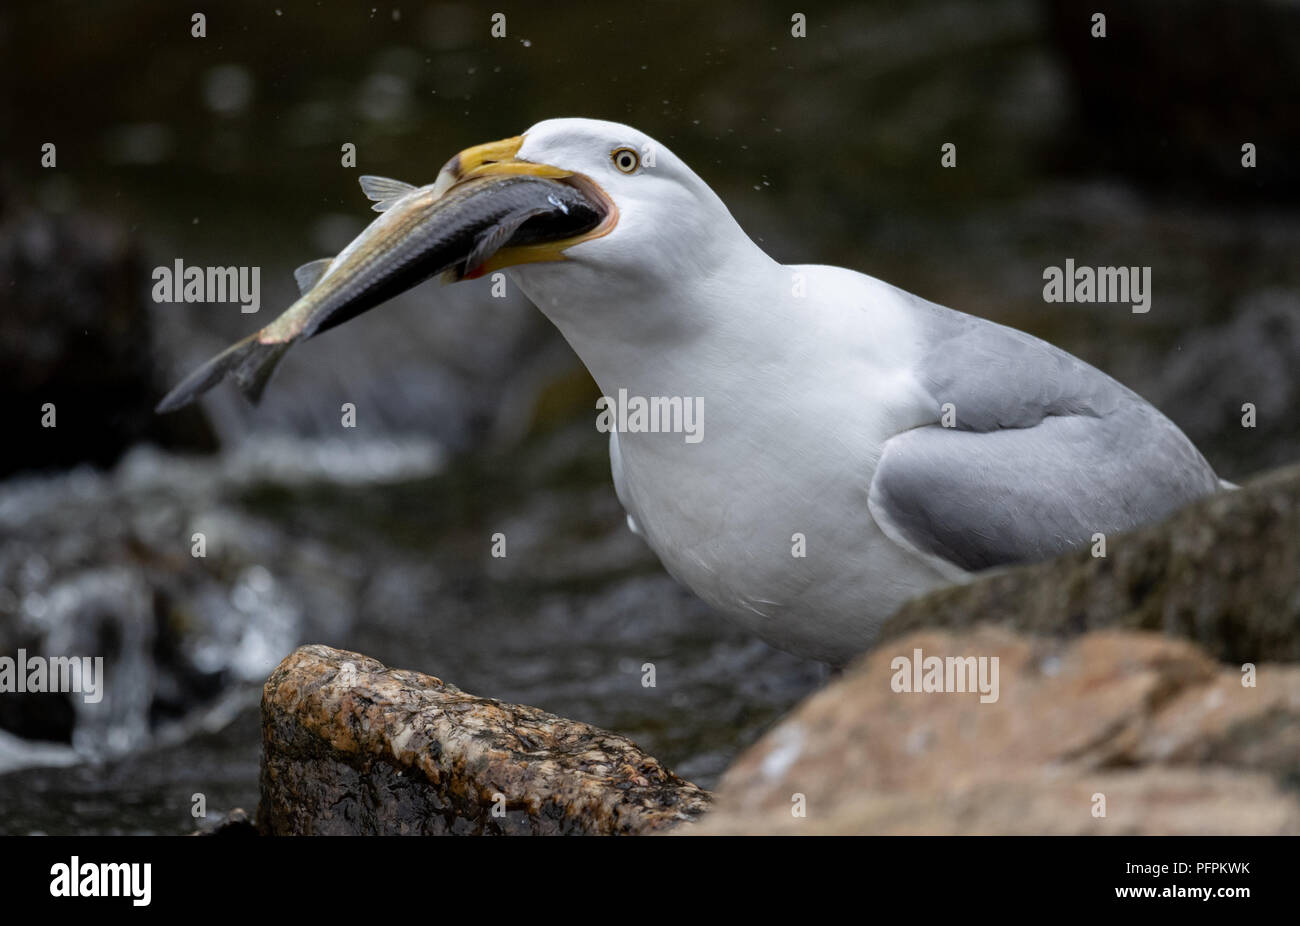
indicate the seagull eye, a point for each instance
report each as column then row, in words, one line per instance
column 626, row 159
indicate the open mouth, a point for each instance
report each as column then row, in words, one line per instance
column 544, row 237
column 592, row 216
column 596, row 195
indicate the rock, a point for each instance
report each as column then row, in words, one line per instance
column 1174, row 742
column 350, row 746
column 1221, row 572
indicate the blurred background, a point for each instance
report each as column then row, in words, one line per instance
column 473, row 415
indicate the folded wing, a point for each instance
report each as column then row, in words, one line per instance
column 1043, row 452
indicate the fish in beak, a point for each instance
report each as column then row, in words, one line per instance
column 485, row 210
column 500, row 159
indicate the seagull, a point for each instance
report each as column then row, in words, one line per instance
column 863, row 446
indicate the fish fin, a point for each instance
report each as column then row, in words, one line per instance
column 495, row 238
column 251, row 360
column 309, row 274
column 383, row 190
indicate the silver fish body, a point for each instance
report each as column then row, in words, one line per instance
column 421, row 233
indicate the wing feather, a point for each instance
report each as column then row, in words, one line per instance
column 1045, row 451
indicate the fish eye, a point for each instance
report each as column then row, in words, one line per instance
column 625, row 159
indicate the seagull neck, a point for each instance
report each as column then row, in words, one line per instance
column 651, row 334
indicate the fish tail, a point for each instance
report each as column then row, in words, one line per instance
column 251, row 361
column 256, row 366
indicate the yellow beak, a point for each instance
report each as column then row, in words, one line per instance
column 494, row 159
column 498, row 159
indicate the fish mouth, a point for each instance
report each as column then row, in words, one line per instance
column 500, row 159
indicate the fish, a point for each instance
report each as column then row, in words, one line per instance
column 421, row 232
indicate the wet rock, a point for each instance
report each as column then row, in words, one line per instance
column 1222, row 572
column 351, row 746
column 1172, row 742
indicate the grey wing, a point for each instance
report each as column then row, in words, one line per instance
column 1045, row 452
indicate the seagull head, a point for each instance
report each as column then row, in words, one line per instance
column 660, row 220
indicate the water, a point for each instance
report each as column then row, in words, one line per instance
column 372, row 559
